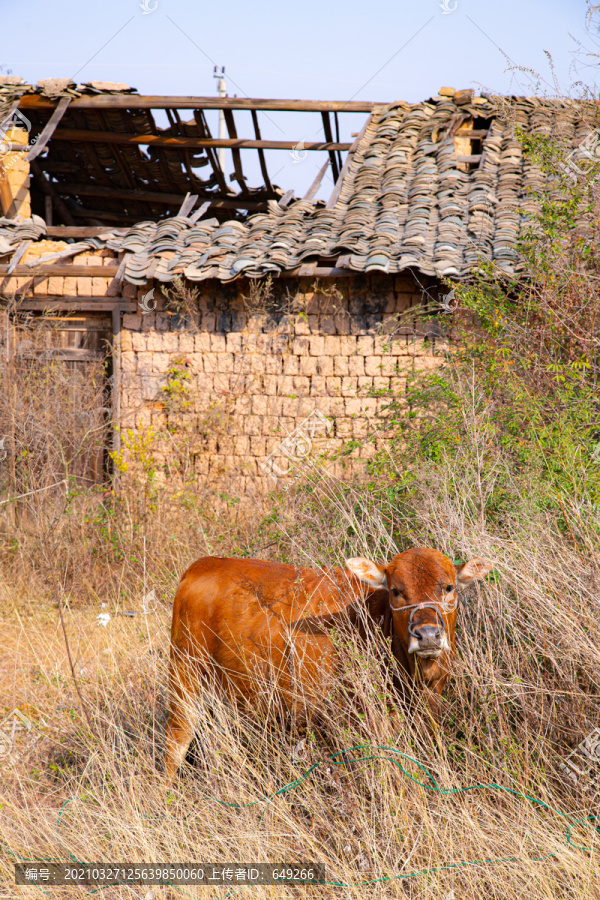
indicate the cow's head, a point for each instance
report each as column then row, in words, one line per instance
column 422, row 585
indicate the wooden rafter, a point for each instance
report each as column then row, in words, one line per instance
column 49, row 190
column 204, row 130
column 186, row 153
column 161, row 157
column 235, row 153
column 311, row 192
column 261, row 153
column 340, row 179
column 18, row 255
column 49, row 129
column 81, row 304
column 114, row 288
column 95, row 131
column 124, row 168
column 78, row 231
column 337, row 137
column 329, row 138
column 189, row 201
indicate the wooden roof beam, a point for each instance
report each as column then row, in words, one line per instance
column 79, row 304
column 109, row 193
column 109, row 271
column 79, row 231
column 141, row 101
column 85, row 136
column 65, row 269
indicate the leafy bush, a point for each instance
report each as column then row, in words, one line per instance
column 523, row 371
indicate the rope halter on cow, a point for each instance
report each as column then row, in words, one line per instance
column 438, row 606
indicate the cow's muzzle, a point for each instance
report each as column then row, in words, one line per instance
column 427, row 641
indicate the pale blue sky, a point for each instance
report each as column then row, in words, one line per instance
column 380, row 50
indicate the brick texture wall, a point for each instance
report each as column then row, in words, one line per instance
column 253, row 377
column 221, row 397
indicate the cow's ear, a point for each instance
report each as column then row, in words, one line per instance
column 366, row 571
column 474, row 570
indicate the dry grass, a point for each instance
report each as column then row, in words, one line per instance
column 524, row 691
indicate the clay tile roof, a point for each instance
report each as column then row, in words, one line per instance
column 435, row 186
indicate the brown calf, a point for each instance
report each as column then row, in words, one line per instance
column 250, row 623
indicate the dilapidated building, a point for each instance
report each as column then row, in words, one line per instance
column 244, row 311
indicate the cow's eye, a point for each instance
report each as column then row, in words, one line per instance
column 395, row 592
column 449, row 588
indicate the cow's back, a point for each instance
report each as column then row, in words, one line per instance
column 254, row 624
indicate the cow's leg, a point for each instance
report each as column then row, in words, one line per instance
column 181, row 725
column 180, row 731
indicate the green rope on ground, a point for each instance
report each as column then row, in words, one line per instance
column 336, row 761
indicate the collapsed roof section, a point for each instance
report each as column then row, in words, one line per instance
column 436, row 186
column 97, row 150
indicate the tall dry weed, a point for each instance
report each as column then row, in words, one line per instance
column 493, row 822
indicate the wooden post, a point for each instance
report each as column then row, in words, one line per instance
column 6, row 200
column 12, row 405
column 14, row 178
column 49, row 190
column 116, row 390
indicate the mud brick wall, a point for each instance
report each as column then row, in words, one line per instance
column 37, row 286
column 212, row 394
column 252, row 376
column 15, row 174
